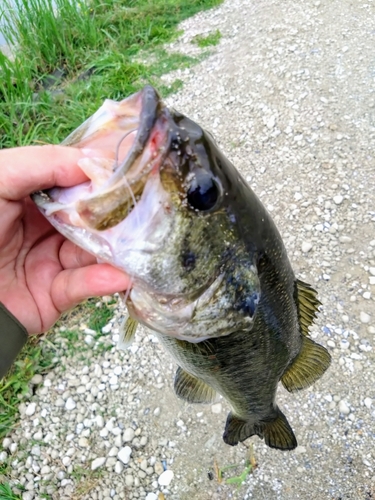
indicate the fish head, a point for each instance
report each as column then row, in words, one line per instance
column 155, row 205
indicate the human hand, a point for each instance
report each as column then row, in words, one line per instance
column 42, row 274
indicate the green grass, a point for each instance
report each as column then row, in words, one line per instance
column 7, row 494
column 69, row 59
column 99, row 316
column 207, row 41
column 34, row 358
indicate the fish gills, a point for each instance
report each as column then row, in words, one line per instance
column 277, row 432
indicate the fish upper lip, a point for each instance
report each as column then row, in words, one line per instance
column 150, row 110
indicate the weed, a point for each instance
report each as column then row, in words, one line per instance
column 206, row 41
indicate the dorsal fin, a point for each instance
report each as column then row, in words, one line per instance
column 308, row 305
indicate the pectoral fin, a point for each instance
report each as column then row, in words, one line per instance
column 127, row 333
column 192, row 389
column 307, row 367
column 276, row 432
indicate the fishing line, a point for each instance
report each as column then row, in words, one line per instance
column 118, row 148
column 117, row 166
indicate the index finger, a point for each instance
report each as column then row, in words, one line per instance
column 31, row 168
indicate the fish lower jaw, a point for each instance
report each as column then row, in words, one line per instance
column 176, row 323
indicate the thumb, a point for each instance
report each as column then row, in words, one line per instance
column 72, row 286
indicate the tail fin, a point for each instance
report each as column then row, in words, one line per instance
column 276, row 432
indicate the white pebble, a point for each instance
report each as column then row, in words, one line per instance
column 372, row 271
column 306, row 246
column 368, row 402
column 366, row 295
column 113, row 451
column 345, row 239
column 7, row 442
column 117, row 370
column 89, row 339
column 66, row 461
column 99, row 420
column 37, row 379
column 119, row 467
column 30, row 410
column 151, row 496
column 113, row 380
column 344, row 408
column 70, row 404
column 165, row 478
column 83, row 442
column 13, row 447
column 89, row 331
column 124, row 454
column 28, row 495
column 98, row 462
column 216, row 408
column 128, row 435
column 364, row 317
column 338, row 199
column 129, row 480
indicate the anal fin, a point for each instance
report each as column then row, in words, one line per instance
column 127, row 332
column 192, row 389
column 276, row 431
column 307, row 367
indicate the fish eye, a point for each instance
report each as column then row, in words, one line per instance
column 203, row 191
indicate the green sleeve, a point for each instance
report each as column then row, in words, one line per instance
column 13, row 336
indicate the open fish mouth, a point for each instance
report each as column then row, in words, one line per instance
column 134, row 137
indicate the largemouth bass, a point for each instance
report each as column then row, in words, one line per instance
column 209, row 269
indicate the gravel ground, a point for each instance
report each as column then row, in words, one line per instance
column 289, row 95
